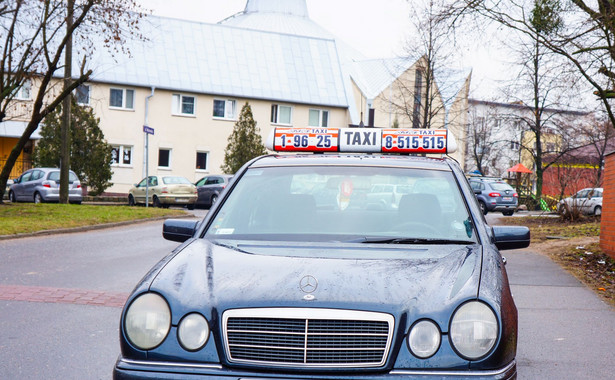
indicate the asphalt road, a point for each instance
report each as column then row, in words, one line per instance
column 59, row 308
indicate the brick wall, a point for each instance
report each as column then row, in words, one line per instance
column 607, row 225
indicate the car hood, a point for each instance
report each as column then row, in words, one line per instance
column 397, row 279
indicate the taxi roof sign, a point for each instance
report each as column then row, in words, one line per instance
column 362, row 140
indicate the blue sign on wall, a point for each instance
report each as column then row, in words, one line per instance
column 148, row 130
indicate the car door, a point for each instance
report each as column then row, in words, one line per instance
column 139, row 191
column 592, row 201
column 202, row 191
column 210, row 187
column 29, row 184
column 579, row 201
column 18, row 185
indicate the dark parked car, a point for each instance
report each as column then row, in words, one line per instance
column 43, row 185
column 495, row 195
column 283, row 280
column 210, row 187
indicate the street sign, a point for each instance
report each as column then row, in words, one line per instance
column 148, row 130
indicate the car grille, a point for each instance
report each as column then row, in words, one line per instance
column 307, row 337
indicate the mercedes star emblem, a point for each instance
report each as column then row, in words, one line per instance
column 308, row 284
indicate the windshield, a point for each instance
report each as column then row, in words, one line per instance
column 334, row 203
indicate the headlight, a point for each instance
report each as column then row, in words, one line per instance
column 147, row 321
column 193, row 331
column 424, row 339
column 474, row 330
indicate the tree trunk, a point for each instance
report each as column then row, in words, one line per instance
column 65, row 132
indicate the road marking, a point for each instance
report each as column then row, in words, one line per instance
column 62, row 295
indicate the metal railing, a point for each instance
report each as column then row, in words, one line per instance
column 19, row 167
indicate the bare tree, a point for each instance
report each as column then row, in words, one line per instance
column 586, row 38
column 419, row 97
column 540, row 90
column 35, row 37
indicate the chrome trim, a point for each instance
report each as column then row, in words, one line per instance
column 307, row 314
column 473, row 373
column 170, row 364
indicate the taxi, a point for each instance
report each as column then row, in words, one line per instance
column 297, row 272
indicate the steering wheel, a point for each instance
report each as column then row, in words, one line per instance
column 419, row 226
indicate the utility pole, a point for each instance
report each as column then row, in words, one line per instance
column 66, row 104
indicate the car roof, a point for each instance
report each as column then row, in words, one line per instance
column 401, row 161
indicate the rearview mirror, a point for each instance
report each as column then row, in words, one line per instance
column 179, row 230
column 511, row 237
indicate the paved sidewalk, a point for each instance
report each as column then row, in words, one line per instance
column 565, row 330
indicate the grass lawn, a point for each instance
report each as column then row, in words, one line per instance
column 18, row 218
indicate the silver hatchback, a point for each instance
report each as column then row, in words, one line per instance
column 43, row 185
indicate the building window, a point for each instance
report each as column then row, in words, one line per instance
column 82, row 95
column 201, row 160
column 514, row 145
column 122, row 98
column 281, row 114
column 224, row 109
column 183, row 105
column 318, row 118
column 23, row 92
column 164, row 158
column 121, row 155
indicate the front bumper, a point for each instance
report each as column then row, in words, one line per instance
column 126, row 369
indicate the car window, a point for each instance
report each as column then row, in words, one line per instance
column 201, row 182
column 142, row 183
column 54, row 176
column 500, row 186
column 214, row 180
column 25, row 177
column 36, row 174
column 332, row 203
column 582, row 193
column 168, row 180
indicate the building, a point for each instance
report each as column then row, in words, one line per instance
column 499, row 137
column 189, row 81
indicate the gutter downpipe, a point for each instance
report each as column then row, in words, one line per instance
column 146, row 163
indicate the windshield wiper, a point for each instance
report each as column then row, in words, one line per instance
column 375, row 240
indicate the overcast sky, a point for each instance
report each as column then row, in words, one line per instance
column 377, row 28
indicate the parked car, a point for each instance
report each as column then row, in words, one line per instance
column 586, row 201
column 276, row 283
column 210, row 187
column 163, row 191
column 495, row 195
column 40, row 185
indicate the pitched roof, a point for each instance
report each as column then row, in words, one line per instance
column 229, row 61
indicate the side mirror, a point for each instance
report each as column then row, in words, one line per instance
column 477, row 191
column 179, row 230
column 511, row 237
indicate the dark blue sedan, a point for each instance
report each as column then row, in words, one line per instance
column 297, row 273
